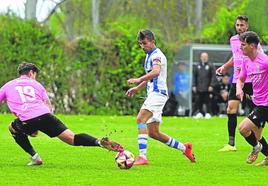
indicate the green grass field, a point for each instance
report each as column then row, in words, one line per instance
column 67, row 165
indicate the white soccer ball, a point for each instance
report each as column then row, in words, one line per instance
column 124, row 159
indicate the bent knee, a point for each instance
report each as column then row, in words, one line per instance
column 154, row 135
column 140, row 120
column 231, row 109
column 258, row 136
column 232, row 106
column 244, row 131
column 240, row 128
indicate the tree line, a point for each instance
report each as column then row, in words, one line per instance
column 85, row 59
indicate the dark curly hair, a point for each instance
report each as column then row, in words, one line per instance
column 24, row 68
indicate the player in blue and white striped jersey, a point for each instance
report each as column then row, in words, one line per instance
column 150, row 114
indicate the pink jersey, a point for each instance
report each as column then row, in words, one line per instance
column 25, row 98
column 238, row 57
column 257, row 71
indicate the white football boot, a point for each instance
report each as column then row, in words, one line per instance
column 35, row 160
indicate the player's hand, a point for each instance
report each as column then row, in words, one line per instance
column 221, row 70
column 194, row 89
column 239, row 94
column 132, row 91
column 134, row 81
column 210, row 89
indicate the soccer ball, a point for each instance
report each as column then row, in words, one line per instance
column 124, row 159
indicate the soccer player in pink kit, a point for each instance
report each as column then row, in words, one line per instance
column 241, row 26
column 254, row 66
column 28, row 100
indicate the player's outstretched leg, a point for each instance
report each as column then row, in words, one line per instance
column 87, row 140
column 110, row 145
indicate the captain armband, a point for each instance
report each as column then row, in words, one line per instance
column 157, row 62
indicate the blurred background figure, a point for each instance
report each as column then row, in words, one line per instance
column 221, row 91
column 182, row 89
column 204, row 78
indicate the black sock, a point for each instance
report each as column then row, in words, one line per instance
column 251, row 139
column 23, row 141
column 232, row 123
column 264, row 146
column 85, row 140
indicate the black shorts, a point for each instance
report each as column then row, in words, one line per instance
column 47, row 123
column 247, row 89
column 259, row 116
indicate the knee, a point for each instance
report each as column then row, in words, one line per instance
column 139, row 120
column 67, row 136
column 243, row 131
column 231, row 109
column 154, row 134
column 69, row 139
column 15, row 128
column 143, row 117
column 15, row 131
column 258, row 135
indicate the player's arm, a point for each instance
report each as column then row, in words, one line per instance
column 154, row 73
column 45, row 98
column 142, row 81
column 142, row 85
column 240, row 82
column 134, row 90
column 225, row 66
column 239, row 88
column 213, row 80
column 147, row 77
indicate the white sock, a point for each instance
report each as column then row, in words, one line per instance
column 142, row 142
column 176, row 144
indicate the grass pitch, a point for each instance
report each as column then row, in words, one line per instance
column 68, row 165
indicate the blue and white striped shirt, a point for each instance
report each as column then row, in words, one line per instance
column 157, row 84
